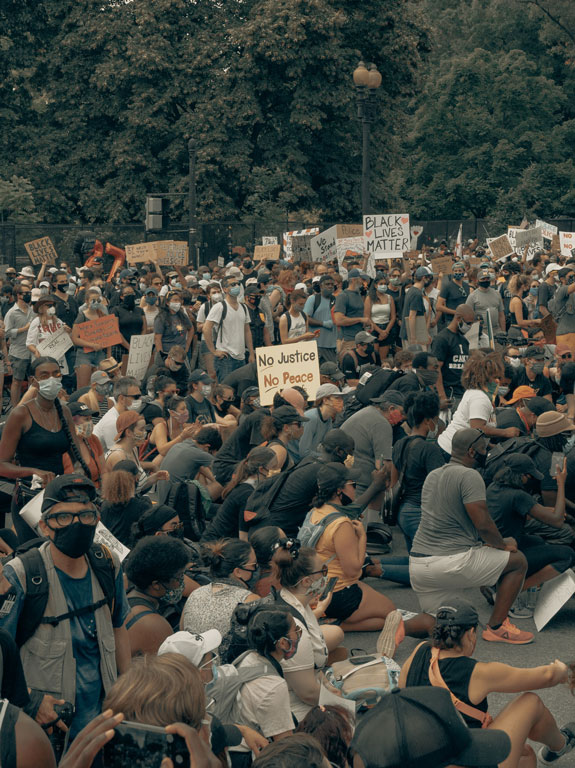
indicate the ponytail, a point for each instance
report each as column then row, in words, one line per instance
column 72, row 447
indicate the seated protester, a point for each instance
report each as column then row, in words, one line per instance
column 198, row 400
column 192, row 459
column 332, row 728
column 122, row 506
column 328, row 404
column 553, row 434
column 510, row 500
column 233, row 568
column 265, row 542
column 416, row 456
column 278, row 429
column 222, row 400
column 131, row 433
column 424, row 377
column 97, row 396
column 250, row 402
column 174, row 363
column 531, row 374
column 522, row 411
column 447, row 663
column 157, row 520
column 160, row 388
column 24, row 743
column 249, row 474
column 173, row 429
column 293, row 751
column 90, row 447
column 342, row 546
column 363, row 354
column 155, row 571
column 329, row 373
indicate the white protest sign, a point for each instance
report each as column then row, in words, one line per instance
column 296, row 243
column 140, row 354
column 323, row 246
column 553, row 596
column 387, row 232
column 512, row 237
column 416, row 231
column 349, row 246
column 287, row 365
column 500, row 247
column 31, row 512
column 269, row 240
column 525, row 237
column 567, row 242
column 547, row 230
column 107, row 538
column 56, row 345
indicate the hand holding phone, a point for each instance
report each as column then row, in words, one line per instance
column 329, row 587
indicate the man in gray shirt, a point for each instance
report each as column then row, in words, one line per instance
column 185, row 460
column 17, row 322
column 486, row 299
column 457, row 545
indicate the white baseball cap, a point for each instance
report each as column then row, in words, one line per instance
column 300, row 287
column 552, row 268
column 193, row 646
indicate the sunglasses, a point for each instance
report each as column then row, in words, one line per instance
column 567, row 356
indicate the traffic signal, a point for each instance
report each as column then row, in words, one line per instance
column 156, row 214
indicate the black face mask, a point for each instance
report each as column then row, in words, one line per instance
column 75, row 540
column 484, row 283
column 225, row 406
column 248, row 264
column 480, row 460
column 363, row 290
column 129, row 302
column 369, row 349
column 316, row 287
column 255, row 301
column 27, row 297
column 63, row 287
column 345, row 499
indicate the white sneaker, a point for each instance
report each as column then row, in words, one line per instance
column 520, row 610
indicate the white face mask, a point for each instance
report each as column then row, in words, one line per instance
column 51, row 311
column 207, row 390
column 175, row 306
column 217, row 296
column 514, row 362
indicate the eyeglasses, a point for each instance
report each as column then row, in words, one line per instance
column 514, row 357
column 323, row 570
column 351, row 482
column 64, row 519
column 173, row 527
column 567, row 356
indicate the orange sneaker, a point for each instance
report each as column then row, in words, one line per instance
column 507, row 633
column 391, row 635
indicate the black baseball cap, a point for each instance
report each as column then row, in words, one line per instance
column 287, row 414
column 392, row 396
column 75, row 487
column 331, row 370
column 337, row 438
column 419, row 726
column 79, row 409
column 334, row 475
column 199, row 375
column 250, row 392
column 458, row 613
column 534, row 352
column 520, row 462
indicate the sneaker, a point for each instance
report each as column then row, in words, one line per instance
column 520, row 609
column 548, row 757
column 391, row 635
column 507, row 633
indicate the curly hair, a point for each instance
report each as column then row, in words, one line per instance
column 481, row 369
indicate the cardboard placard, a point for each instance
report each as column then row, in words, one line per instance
column 500, row 247
column 301, row 248
column 442, row 264
column 566, row 242
column 387, row 233
column 104, row 331
column 549, row 328
column 324, row 245
column 267, row 252
column 348, row 230
column 553, row 596
column 525, row 237
column 349, row 247
column 547, row 230
column 519, row 250
column 56, row 345
column 474, row 261
column 141, row 252
column 269, row 240
column 41, row 251
column 555, row 245
column 171, row 252
column 139, row 356
column 287, row 365
column 288, row 243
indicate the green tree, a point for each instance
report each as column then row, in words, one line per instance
column 17, row 201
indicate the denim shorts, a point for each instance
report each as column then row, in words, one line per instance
column 93, row 358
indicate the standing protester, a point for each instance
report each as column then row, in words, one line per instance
column 349, row 312
column 233, row 336
column 67, row 310
column 380, row 308
column 453, row 293
column 451, row 349
column 414, row 308
column 89, row 354
column 17, row 322
column 260, row 333
column 319, row 310
column 486, row 299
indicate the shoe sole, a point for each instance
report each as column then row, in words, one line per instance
column 509, row 641
column 386, row 641
column 518, row 617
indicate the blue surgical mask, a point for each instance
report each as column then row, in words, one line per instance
column 151, row 299
column 50, row 388
column 235, row 290
column 534, row 291
column 382, row 288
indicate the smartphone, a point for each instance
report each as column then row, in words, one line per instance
column 144, row 746
column 557, row 459
column 329, row 587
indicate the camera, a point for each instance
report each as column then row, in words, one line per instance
column 144, row 746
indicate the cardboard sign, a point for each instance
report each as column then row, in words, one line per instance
column 171, row 252
column 547, row 230
column 41, row 251
column 349, row 247
column 267, row 252
column 56, row 345
column 553, row 596
column 141, row 252
column 287, row 365
column 104, row 331
column 555, row 245
column 500, row 247
column 288, row 243
column 139, row 355
column 531, row 236
column 324, row 245
column 442, row 264
column 301, row 248
column 343, row 231
column 549, row 328
column 269, row 240
column 474, row 261
column 566, row 242
column 387, row 233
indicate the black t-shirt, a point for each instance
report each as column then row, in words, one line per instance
column 247, row 277
column 546, row 293
column 243, row 377
column 351, row 363
column 227, row 520
column 67, row 311
column 119, row 518
column 413, row 301
column 407, row 383
column 257, row 325
column 180, row 376
column 238, row 445
column 454, row 294
column 420, row 457
column 203, row 412
column 452, row 350
column 399, row 299
column 130, row 321
column 295, row 499
column 508, row 417
column 376, row 385
column 151, row 411
column 508, row 507
column 540, row 384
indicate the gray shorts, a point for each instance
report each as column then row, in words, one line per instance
column 20, row 367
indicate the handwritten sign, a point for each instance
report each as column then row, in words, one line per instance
column 287, row 365
column 387, row 233
column 349, row 247
column 104, row 331
column 519, row 250
column 547, row 230
column 525, row 237
column 442, row 264
column 302, row 245
column 500, row 247
column 553, row 596
column 141, row 252
column 139, row 356
column 567, row 242
column 56, row 345
column 474, row 261
column 267, row 252
column 301, row 248
column 269, row 240
column 171, row 252
column 324, row 246
column 107, row 538
column 41, row 251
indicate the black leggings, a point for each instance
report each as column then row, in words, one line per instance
column 538, row 556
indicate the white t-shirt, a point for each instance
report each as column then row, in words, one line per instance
column 105, row 430
column 475, row 404
column 297, row 326
column 232, row 337
column 264, row 702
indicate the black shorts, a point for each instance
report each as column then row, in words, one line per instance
column 344, row 602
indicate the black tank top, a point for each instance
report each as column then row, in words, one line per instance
column 41, row 448
column 288, row 462
column 456, row 673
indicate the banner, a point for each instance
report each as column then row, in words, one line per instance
column 567, row 242
column 387, row 233
column 267, row 252
column 139, row 356
column 56, row 346
column 41, row 251
column 500, row 247
column 104, row 331
column 287, row 365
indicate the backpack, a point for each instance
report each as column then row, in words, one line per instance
column 223, row 694
column 317, row 301
column 37, row 589
column 223, row 317
column 186, row 499
column 260, row 500
column 288, row 318
column 310, row 533
column 365, row 679
column 497, row 455
column 375, row 385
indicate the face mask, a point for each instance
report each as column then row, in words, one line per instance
column 369, row 349
column 394, row 418
column 458, row 275
column 534, row 291
column 382, row 288
column 480, row 459
column 292, row 648
column 464, row 328
column 75, row 540
column 85, row 430
column 235, row 290
column 395, row 281
column 173, row 596
column 428, row 378
column 427, row 281
column 104, row 389
column 317, row 586
column 537, row 368
column 207, row 390
column 181, row 417
column 136, row 405
column 71, row 290
column 492, row 390
column 345, row 499
column 129, row 302
column 175, row 284
column 363, row 290
column 151, row 299
column 175, row 306
column 225, row 406
column 502, row 391
column 51, row 311
column 256, row 300
column 248, row 265
column 217, row 296
column 484, row 283
column 139, row 437
column 63, row 287
column 97, row 305
column 26, row 297
column 569, row 444
column 50, row 388
column 255, row 575
column 514, row 362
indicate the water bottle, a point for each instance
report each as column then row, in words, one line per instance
column 532, row 597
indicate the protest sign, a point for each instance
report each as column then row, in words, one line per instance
column 56, row 345
column 567, row 242
column 267, row 252
column 41, row 251
column 269, row 240
column 323, row 246
column 555, row 245
column 287, row 365
column 519, row 250
column 221, row 261
column 104, row 331
column 473, row 334
column 387, row 232
column 348, row 247
column 547, row 230
column 553, row 596
column 416, row 232
column 342, row 231
column 442, row 264
column 525, row 237
column 139, row 355
column 500, row 247
column 141, row 252
column 301, row 248
column 107, row 538
column 474, row 261
column 31, row 512
column 549, row 328
column 288, row 243
column 171, row 252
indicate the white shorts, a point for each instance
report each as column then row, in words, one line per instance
column 438, row 578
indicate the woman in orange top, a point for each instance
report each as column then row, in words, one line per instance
column 90, row 447
column 342, row 545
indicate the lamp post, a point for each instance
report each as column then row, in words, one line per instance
column 367, row 80
column 192, row 224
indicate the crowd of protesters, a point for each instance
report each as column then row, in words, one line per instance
column 189, row 558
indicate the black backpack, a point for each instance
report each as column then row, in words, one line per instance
column 223, row 317
column 497, row 455
column 186, row 499
column 37, row 589
column 288, row 318
column 260, row 500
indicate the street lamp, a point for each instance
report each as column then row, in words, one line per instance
column 367, row 80
column 192, row 203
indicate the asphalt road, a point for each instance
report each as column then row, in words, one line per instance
column 555, row 641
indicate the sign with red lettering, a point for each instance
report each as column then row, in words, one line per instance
column 287, row 365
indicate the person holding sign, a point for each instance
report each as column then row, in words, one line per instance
column 88, row 361
column 131, row 321
column 17, row 322
column 44, row 327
